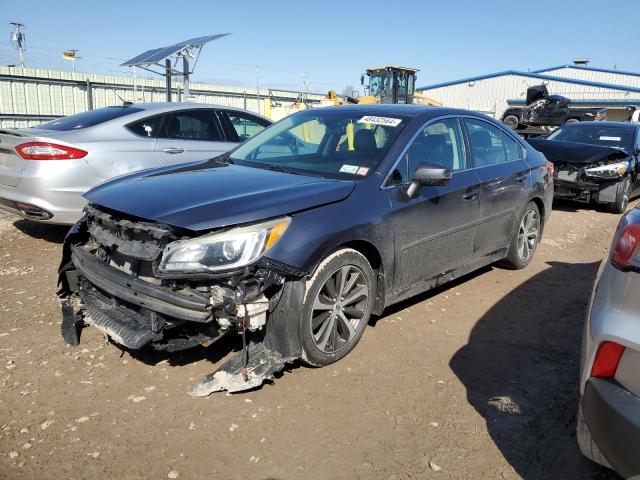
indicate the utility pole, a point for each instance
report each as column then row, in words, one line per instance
column 19, row 39
column 258, row 87
column 185, row 76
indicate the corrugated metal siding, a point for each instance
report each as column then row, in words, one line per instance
column 490, row 95
column 595, row 76
column 31, row 92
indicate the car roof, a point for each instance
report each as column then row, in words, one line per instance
column 606, row 123
column 169, row 106
column 163, row 107
column 407, row 110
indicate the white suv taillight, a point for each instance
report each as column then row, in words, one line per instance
column 48, row 151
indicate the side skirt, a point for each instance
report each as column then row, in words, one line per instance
column 447, row 276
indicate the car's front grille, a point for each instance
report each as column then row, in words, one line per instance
column 129, row 245
column 116, row 266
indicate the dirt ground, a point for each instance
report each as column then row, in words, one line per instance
column 474, row 380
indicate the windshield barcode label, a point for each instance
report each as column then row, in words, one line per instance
column 391, row 122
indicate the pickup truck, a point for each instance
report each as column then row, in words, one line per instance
column 544, row 110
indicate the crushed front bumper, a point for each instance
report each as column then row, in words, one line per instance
column 573, row 184
column 612, row 414
column 129, row 310
column 106, row 280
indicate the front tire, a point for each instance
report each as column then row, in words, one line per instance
column 525, row 240
column 337, row 306
column 623, row 195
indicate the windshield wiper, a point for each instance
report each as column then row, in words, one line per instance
column 277, row 168
column 225, row 159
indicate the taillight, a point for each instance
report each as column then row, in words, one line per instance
column 48, row 151
column 626, row 251
column 550, row 168
column 607, row 360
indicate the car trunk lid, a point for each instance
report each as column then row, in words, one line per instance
column 12, row 165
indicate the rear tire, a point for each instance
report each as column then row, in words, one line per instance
column 525, row 239
column 585, row 441
column 569, row 121
column 336, row 308
column 511, row 121
column 623, row 195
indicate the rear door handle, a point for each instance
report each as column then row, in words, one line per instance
column 173, row 150
column 470, row 194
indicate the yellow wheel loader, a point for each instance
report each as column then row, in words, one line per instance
column 387, row 84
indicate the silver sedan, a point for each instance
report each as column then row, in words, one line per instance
column 609, row 412
column 45, row 170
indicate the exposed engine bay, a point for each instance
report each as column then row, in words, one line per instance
column 111, row 278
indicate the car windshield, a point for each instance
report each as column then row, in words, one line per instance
column 616, row 137
column 329, row 142
column 88, row 119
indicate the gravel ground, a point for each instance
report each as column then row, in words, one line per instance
column 474, row 380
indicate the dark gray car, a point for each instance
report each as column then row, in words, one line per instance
column 296, row 237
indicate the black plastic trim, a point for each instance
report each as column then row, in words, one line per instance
column 612, row 414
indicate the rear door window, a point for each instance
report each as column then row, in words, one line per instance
column 147, row 127
column 242, row 126
column 490, row 145
column 89, row 119
column 196, row 125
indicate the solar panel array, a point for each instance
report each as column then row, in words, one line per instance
column 158, row 54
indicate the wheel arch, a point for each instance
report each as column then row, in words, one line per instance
column 543, row 213
column 373, row 256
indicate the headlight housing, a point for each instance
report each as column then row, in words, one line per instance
column 235, row 248
column 613, row 170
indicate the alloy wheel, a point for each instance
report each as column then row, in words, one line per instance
column 339, row 308
column 528, row 235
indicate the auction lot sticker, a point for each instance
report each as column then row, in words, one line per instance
column 374, row 120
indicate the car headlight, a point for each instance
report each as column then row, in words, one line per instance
column 612, row 170
column 235, row 248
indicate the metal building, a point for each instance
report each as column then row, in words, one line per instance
column 585, row 86
column 29, row 97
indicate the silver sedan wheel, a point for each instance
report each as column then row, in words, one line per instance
column 338, row 309
column 528, row 235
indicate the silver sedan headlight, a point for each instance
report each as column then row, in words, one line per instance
column 235, row 248
column 613, row 170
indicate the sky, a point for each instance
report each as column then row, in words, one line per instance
column 328, row 44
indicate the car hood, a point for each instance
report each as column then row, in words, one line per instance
column 206, row 195
column 578, row 153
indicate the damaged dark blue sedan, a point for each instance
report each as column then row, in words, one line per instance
column 295, row 238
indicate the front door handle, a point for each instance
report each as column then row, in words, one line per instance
column 521, row 178
column 471, row 194
column 173, row 150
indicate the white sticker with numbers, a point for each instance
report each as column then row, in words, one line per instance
column 375, row 120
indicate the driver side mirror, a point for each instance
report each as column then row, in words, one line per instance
column 361, row 79
column 428, row 176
